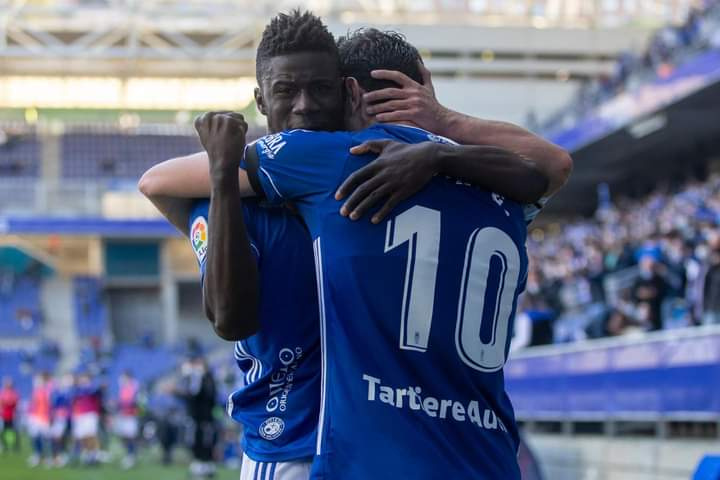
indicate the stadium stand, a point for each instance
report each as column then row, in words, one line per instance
column 90, row 315
column 20, row 315
column 22, row 364
column 19, row 153
column 669, row 47
column 117, row 155
column 638, row 266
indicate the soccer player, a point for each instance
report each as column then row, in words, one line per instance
column 416, row 313
column 86, row 409
column 61, row 403
column 279, row 404
column 9, row 399
column 39, row 417
column 127, row 424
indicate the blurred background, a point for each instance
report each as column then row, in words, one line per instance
column 615, row 370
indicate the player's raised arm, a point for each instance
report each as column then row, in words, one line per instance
column 230, row 290
column 416, row 103
column 402, row 170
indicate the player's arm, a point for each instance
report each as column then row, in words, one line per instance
column 170, row 185
column 402, row 169
column 230, row 289
column 416, row 103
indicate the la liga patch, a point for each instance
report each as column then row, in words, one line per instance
column 199, row 238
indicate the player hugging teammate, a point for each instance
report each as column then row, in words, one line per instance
column 385, row 361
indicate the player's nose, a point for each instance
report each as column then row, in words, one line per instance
column 304, row 103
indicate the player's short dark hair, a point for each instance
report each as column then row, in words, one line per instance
column 294, row 32
column 368, row 49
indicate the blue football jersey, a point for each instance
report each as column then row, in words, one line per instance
column 416, row 315
column 278, row 405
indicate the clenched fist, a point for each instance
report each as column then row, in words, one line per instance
column 222, row 134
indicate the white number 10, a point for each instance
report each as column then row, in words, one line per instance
column 420, row 227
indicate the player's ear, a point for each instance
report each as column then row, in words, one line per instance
column 353, row 94
column 260, row 101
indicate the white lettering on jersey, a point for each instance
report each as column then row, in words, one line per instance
column 282, row 380
column 431, row 406
column 272, row 144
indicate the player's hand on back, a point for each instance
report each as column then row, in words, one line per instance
column 412, row 102
column 400, row 171
column 222, row 135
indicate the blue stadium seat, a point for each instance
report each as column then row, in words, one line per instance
column 19, row 306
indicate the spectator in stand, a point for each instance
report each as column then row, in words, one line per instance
column 9, row 399
column 39, row 417
column 61, row 403
column 711, row 287
column 127, row 423
column 86, row 409
column 649, row 291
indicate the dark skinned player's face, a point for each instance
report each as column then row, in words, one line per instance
column 302, row 90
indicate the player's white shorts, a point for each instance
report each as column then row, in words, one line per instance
column 296, row 470
column 85, row 425
column 38, row 427
column 58, row 428
column 126, row 426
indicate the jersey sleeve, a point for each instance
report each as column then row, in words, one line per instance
column 198, row 223
column 200, row 233
column 532, row 210
column 296, row 164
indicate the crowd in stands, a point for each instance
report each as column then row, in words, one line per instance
column 667, row 47
column 638, row 266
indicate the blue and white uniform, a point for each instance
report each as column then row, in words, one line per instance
column 416, row 314
column 278, row 406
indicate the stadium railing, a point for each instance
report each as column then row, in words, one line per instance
column 665, row 376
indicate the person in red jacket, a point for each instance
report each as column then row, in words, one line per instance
column 9, row 400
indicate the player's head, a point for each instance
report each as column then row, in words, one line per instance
column 368, row 49
column 298, row 73
column 7, row 382
column 126, row 375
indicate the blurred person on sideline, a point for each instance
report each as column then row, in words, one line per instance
column 198, row 390
column 9, row 400
column 39, row 417
column 127, row 420
column 86, row 409
column 61, row 405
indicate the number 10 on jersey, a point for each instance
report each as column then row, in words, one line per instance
column 420, row 228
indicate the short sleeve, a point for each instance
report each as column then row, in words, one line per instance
column 297, row 164
column 200, row 232
column 532, row 210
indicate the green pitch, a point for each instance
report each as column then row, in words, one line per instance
column 13, row 466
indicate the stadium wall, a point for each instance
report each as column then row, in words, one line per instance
column 597, row 457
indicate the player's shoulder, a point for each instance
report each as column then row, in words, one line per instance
column 405, row 133
column 272, row 145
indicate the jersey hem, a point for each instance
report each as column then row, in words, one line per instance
column 303, row 454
